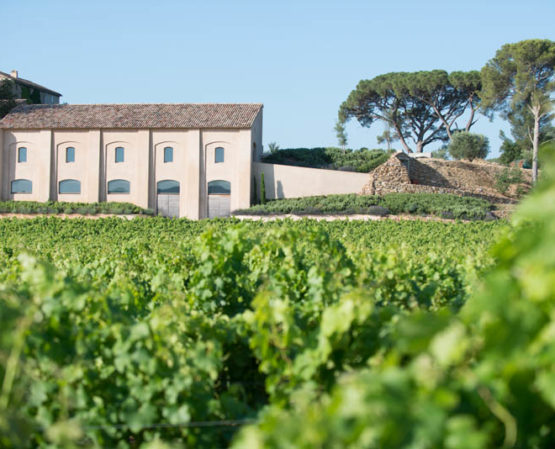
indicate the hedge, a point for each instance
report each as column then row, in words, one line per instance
column 55, row 207
column 442, row 205
column 362, row 160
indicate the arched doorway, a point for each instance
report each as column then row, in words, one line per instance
column 167, row 203
column 219, row 193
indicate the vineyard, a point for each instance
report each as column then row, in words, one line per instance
column 157, row 333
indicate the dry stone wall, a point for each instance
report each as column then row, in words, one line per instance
column 403, row 174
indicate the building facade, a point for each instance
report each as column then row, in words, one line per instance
column 183, row 160
column 30, row 91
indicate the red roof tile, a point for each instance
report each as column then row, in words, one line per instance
column 131, row 116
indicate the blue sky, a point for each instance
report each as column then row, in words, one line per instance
column 300, row 58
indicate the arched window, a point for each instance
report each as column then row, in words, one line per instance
column 70, row 154
column 219, row 155
column 168, row 186
column 70, row 186
column 22, row 186
column 120, row 154
column 168, row 154
column 219, row 188
column 22, row 154
column 118, row 186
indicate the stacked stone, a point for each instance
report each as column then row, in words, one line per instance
column 402, row 174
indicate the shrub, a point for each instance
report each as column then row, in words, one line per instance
column 262, row 189
column 510, row 151
column 362, row 160
column 378, row 210
column 507, row 177
column 53, row 207
column 273, row 147
column 441, row 153
column 395, row 203
column 465, row 145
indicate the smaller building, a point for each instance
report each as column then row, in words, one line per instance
column 30, row 91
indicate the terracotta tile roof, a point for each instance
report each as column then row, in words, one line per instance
column 106, row 116
column 30, row 84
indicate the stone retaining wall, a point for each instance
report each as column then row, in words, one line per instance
column 403, row 174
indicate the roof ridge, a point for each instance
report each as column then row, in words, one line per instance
column 133, row 116
column 149, row 104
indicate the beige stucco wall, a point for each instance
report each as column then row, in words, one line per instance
column 134, row 168
column 85, row 168
column 37, row 168
column 184, row 168
column 256, row 141
column 236, row 168
column 193, row 165
column 285, row 181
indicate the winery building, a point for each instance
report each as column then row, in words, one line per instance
column 183, row 160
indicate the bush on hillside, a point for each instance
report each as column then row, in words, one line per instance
column 465, row 145
column 509, row 176
column 441, row 153
column 363, row 160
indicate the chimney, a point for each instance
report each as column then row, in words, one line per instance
column 14, row 74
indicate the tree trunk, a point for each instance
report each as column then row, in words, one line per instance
column 445, row 124
column 419, row 146
column 469, row 123
column 401, row 138
column 535, row 143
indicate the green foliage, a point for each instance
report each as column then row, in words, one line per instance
column 481, row 378
column 441, row 153
column 445, row 205
column 132, row 332
column 522, row 125
column 262, row 189
column 362, row 160
column 520, row 73
column 387, row 137
column 420, row 106
column 511, row 151
column 30, row 94
column 341, row 134
column 55, row 207
column 520, row 80
column 7, row 97
column 508, row 177
column 273, row 147
column 465, row 145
